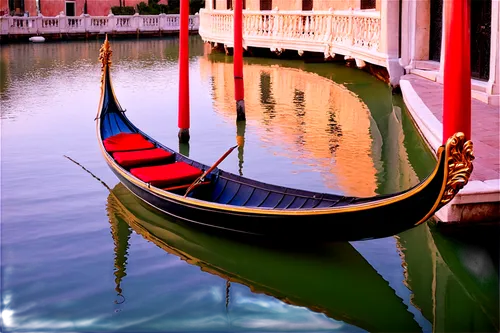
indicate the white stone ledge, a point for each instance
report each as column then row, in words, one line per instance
column 428, row 125
column 476, row 192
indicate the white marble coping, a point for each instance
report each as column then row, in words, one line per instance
column 476, row 191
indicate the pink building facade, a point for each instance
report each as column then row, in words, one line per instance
column 67, row 7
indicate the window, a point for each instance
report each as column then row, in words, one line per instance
column 266, row 4
column 368, row 4
column 229, row 4
column 307, row 4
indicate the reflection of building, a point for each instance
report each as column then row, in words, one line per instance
column 401, row 174
column 306, row 114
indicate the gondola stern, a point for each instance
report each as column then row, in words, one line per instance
column 455, row 158
column 459, row 156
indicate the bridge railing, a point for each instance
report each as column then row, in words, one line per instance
column 353, row 33
column 12, row 25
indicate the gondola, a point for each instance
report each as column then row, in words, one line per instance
column 166, row 180
column 339, row 281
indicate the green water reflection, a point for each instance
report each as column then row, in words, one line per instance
column 328, row 278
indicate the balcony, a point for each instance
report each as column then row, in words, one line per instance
column 61, row 24
column 351, row 33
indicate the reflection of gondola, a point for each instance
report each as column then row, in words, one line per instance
column 330, row 278
column 160, row 177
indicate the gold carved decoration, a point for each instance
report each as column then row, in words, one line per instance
column 105, row 56
column 459, row 160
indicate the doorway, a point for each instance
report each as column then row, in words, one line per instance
column 70, row 8
column 480, row 38
column 436, row 30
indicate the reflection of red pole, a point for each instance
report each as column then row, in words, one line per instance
column 238, row 60
column 184, row 72
column 457, row 76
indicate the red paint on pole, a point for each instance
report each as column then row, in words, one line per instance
column 238, row 58
column 184, row 66
column 457, row 74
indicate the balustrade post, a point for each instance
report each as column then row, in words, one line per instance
column 329, row 24
column 162, row 22
column 135, row 22
column 350, row 31
column 37, row 22
column 196, row 21
column 389, row 39
column 62, row 23
column 275, row 19
column 86, row 22
column 111, row 26
column 5, row 24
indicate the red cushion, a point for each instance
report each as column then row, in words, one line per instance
column 126, row 142
column 129, row 159
column 163, row 175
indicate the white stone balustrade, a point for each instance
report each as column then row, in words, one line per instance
column 352, row 33
column 10, row 25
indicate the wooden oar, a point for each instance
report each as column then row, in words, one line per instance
column 202, row 177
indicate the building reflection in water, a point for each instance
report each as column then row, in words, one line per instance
column 321, row 123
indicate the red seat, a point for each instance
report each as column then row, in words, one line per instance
column 164, row 175
column 126, row 142
column 129, row 159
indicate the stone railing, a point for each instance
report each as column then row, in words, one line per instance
column 10, row 25
column 352, row 33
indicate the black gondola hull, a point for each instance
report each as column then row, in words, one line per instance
column 375, row 222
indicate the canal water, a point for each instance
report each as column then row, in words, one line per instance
column 78, row 256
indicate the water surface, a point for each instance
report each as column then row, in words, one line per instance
column 77, row 257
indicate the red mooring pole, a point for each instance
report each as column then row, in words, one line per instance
column 184, row 72
column 457, row 76
column 239, row 92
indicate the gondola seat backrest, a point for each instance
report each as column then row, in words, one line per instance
column 131, row 159
column 126, row 142
column 167, row 175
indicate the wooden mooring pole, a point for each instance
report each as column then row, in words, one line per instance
column 238, row 60
column 184, row 72
column 457, row 72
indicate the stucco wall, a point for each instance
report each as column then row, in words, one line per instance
column 4, row 6
column 55, row 7
column 336, row 5
column 296, row 4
